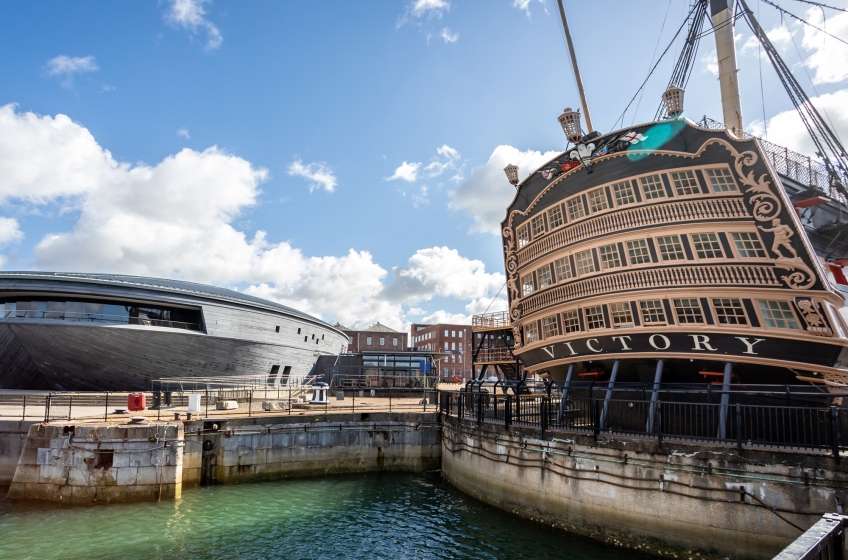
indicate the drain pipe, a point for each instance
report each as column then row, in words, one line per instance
column 725, row 400
column 562, row 402
column 608, row 397
column 655, row 395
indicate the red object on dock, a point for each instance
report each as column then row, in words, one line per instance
column 136, row 401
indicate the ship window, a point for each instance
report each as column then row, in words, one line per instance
column 652, row 187
column 688, row 311
column 585, row 262
column 685, row 183
column 538, row 225
column 721, row 180
column 523, row 236
column 652, row 312
column 563, row 269
column 531, row 332
column 570, row 321
column 555, row 216
column 544, row 275
column 623, row 193
column 550, row 327
column 575, row 209
column 598, row 200
column 748, row 245
column 621, row 315
column 729, row 312
column 706, row 245
column 670, row 248
column 637, row 252
column 778, row 314
column 609, row 256
column 595, row 317
column 527, row 284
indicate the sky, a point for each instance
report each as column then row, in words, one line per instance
column 343, row 158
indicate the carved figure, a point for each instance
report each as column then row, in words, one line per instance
column 513, row 288
column 782, row 234
column 516, row 335
column 810, row 311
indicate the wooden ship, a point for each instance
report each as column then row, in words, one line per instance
column 681, row 251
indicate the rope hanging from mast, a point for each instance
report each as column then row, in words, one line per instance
column 683, row 67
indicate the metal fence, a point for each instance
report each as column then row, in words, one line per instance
column 499, row 319
column 745, row 425
column 825, row 540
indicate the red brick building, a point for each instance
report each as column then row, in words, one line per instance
column 375, row 337
column 445, row 338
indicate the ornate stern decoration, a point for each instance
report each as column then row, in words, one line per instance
column 811, row 311
column 516, row 336
column 512, row 274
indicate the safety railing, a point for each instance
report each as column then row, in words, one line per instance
column 741, row 424
column 491, row 320
column 499, row 354
column 825, row 540
column 97, row 318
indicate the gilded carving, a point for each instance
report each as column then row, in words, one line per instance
column 512, row 273
column 516, row 335
column 812, row 313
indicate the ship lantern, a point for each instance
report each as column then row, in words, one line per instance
column 512, row 174
column 570, row 121
column 673, row 101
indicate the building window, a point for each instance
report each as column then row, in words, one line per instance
column 368, row 341
column 685, row 183
column 446, row 333
column 621, row 315
column 453, row 334
column 670, row 248
column 544, row 275
column 459, row 359
column 447, row 346
column 523, row 236
column 570, row 321
column 277, row 328
column 531, row 333
column 382, row 341
column 526, row 287
column 652, row 312
column 721, row 180
column 748, row 245
column 550, row 327
column 623, row 193
column 688, row 311
column 563, row 269
column 460, row 347
column 555, row 217
column 585, row 262
column 706, row 246
column 453, row 359
column 730, row 312
column 298, row 331
column 575, row 208
column 637, row 252
column 778, row 314
column 350, row 340
column 538, row 225
column 609, row 256
column 595, row 317
column 394, row 341
column 652, row 187
column 453, row 345
column 598, row 200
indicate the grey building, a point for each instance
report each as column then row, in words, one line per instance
column 67, row 331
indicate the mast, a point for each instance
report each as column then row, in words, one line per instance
column 721, row 14
column 576, row 69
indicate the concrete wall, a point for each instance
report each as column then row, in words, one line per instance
column 99, row 463
column 250, row 449
column 666, row 500
column 13, row 435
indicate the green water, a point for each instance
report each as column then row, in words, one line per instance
column 357, row 516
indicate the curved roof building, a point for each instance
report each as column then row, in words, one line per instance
column 69, row 331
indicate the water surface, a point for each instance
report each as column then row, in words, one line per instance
column 355, row 516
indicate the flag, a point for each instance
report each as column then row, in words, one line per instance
column 634, row 137
column 569, row 165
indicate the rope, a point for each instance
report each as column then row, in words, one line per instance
column 805, row 22
column 494, row 298
column 762, row 94
column 659, row 36
column 820, row 5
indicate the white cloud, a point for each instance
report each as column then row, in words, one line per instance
column 406, row 171
column 709, row 63
column 319, row 175
column 829, row 57
column 448, row 36
column 486, row 194
column 525, row 5
column 175, row 219
column 190, row 15
column 183, row 132
column 421, row 197
column 66, row 67
column 430, row 8
column 442, row 316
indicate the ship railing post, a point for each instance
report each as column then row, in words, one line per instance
column 739, row 427
column 834, row 435
column 725, row 400
column 659, row 424
column 596, row 429
column 508, row 411
column 563, row 402
column 655, row 394
column 608, row 397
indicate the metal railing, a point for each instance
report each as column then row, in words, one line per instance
column 98, row 318
column 491, row 320
column 499, row 354
column 596, row 412
column 825, row 540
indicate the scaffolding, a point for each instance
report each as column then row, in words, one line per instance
column 492, row 346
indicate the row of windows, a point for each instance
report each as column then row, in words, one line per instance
column 725, row 311
column 624, row 193
column 429, row 335
column 368, row 341
column 452, row 346
column 664, row 248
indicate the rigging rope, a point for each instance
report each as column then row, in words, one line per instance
column 683, row 67
column 760, row 64
column 805, row 22
column 659, row 36
column 820, row 5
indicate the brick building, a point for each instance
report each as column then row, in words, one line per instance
column 375, row 337
column 446, row 338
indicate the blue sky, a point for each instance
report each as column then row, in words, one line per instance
column 341, row 157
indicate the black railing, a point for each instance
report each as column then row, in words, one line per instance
column 743, row 425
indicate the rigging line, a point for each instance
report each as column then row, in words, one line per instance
column 659, row 36
column 760, row 62
column 820, row 5
column 652, row 70
column 712, row 30
column 494, row 298
column 805, row 22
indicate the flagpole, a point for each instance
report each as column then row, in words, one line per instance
column 576, row 69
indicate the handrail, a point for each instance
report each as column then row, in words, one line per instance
column 98, row 318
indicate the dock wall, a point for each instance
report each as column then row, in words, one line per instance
column 13, row 435
column 665, row 500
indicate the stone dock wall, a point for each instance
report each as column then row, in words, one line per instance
column 13, row 435
column 671, row 500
